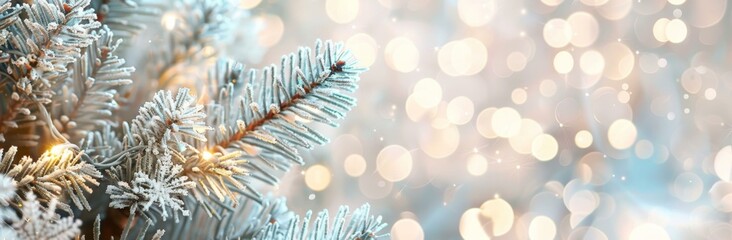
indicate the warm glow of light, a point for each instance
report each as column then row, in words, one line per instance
column 249, row 4
column 649, row 231
column 407, row 229
column 557, row 33
column 460, row 110
column 355, row 165
column 516, row 61
column 476, row 13
column 205, row 155
column 676, row 2
column 477, row 165
column 464, row 57
column 484, row 123
column 341, row 11
column 500, row 214
column 676, row 31
column 317, row 177
column 542, row 228
column 585, row 29
column 57, row 150
column 471, row 226
column 659, row 29
column 544, row 147
column 521, row 142
column 506, row 122
column 723, row 163
column 274, row 29
column 364, row 48
column 427, row 93
column 441, row 143
column 622, row 134
column 619, row 59
column 394, row 163
column 401, row 54
column 518, row 96
column 592, row 63
column 563, row 62
column 583, row 139
column 169, row 20
column 552, row 3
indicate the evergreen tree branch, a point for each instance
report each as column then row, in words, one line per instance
column 148, row 172
column 38, row 222
column 94, row 82
column 40, row 46
column 265, row 117
column 56, row 171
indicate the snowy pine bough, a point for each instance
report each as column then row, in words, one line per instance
column 98, row 147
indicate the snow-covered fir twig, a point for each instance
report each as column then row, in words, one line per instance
column 41, row 45
column 66, row 84
column 58, row 171
column 87, row 101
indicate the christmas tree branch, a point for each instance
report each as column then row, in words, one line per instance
column 40, row 46
column 269, row 126
column 57, row 170
column 96, row 78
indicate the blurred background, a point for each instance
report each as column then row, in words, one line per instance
column 538, row 119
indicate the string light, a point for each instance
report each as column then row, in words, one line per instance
column 206, row 155
column 57, row 150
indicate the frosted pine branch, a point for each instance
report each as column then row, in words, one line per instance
column 38, row 222
column 360, row 225
column 40, row 46
column 164, row 190
column 87, row 100
column 148, row 172
column 126, row 18
column 191, row 31
column 57, row 171
column 266, row 116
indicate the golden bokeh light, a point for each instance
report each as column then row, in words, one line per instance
column 341, row 11
column 521, row 142
column 563, row 62
column 557, row 33
column 583, row 139
column 394, row 163
column 519, row 96
column 363, row 47
column 592, row 62
column 460, row 110
column 622, row 134
column 484, row 123
column 407, row 229
column 249, row 4
column 544, row 147
column 477, row 165
column 649, row 231
column 401, row 54
column 585, row 29
column 441, row 143
column 471, row 227
column 676, row 31
column 463, row 57
column 275, row 29
column 317, row 177
column 506, row 122
column 427, row 93
column 476, row 13
column 354, row 165
column 500, row 215
column 542, row 228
